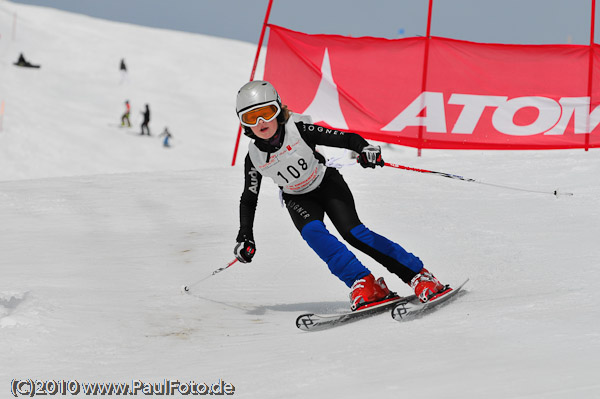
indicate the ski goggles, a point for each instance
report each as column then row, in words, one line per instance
column 267, row 112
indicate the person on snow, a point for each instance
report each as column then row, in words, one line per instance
column 125, row 117
column 146, row 120
column 167, row 135
column 283, row 149
column 123, row 69
column 22, row 62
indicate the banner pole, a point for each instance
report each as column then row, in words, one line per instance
column 1, row 114
column 260, row 41
column 425, row 67
column 14, row 27
column 590, row 74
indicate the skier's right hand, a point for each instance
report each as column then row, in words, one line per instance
column 244, row 250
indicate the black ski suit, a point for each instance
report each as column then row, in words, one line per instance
column 332, row 197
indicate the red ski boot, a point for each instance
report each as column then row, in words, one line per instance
column 427, row 287
column 368, row 292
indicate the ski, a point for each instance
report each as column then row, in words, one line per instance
column 412, row 309
column 315, row 322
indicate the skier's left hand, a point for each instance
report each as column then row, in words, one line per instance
column 370, row 156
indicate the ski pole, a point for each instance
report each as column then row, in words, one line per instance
column 186, row 288
column 451, row 176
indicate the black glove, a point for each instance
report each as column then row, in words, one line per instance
column 370, row 156
column 244, row 250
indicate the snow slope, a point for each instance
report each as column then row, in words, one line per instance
column 75, row 101
column 100, row 227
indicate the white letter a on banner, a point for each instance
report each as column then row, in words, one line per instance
column 325, row 107
column 434, row 121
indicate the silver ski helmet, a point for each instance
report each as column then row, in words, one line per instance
column 253, row 94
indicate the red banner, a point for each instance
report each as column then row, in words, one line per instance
column 477, row 96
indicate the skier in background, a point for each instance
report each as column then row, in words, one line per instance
column 22, row 62
column 167, row 135
column 146, row 120
column 283, row 148
column 123, row 69
column 125, row 117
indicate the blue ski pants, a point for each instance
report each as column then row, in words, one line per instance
column 334, row 198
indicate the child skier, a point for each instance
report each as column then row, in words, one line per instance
column 125, row 116
column 283, row 148
column 167, row 136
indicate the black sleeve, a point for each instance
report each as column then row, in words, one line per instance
column 248, row 201
column 319, row 135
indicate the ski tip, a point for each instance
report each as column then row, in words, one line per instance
column 463, row 283
column 304, row 322
column 404, row 311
